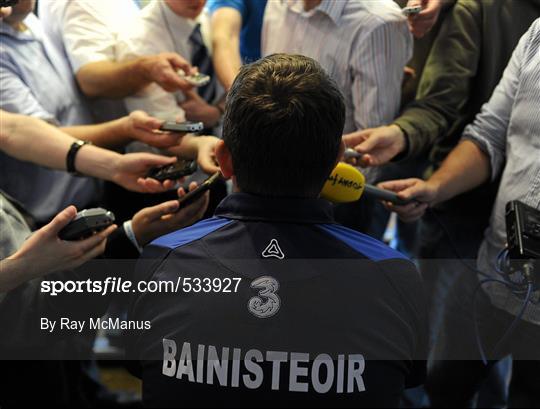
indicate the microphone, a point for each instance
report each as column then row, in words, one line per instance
column 344, row 185
column 347, row 184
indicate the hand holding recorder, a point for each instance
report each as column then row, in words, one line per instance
column 45, row 252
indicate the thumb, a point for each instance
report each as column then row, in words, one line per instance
column 150, row 159
column 207, row 164
column 190, row 95
column 60, row 221
column 142, row 120
column 415, row 191
column 156, row 212
column 178, row 62
column 354, row 138
column 372, row 142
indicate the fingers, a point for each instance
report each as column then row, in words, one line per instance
column 142, row 120
column 397, row 185
column 167, row 140
column 171, row 77
column 409, row 189
column 60, row 221
column 91, row 254
column 179, row 63
column 422, row 22
column 150, row 160
column 192, row 212
column 367, row 160
column 408, row 213
column 182, row 192
column 371, row 142
column 149, row 185
column 355, row 138
column 156, row 212
column 206, row 160
column 91, row 242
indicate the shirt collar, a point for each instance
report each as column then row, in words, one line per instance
column 181, row 27
column 333, row 9
column 31, row 33
column 244, row 206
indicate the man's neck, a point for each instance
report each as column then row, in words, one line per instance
column 16, row 24
column 311, row 4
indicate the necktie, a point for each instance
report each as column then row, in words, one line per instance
column 201, row 59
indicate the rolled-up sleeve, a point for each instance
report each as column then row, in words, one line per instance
column 238, row 5
column 445, row 87
column 489, row 129
column 86, row 36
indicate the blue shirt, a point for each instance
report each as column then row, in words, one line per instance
column 252, row 12
column 37, row 81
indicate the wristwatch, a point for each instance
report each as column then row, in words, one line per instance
column 72, row 154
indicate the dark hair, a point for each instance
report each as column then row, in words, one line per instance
column 283, row 125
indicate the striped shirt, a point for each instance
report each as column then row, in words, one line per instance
column 363, row 45
column 508, row 131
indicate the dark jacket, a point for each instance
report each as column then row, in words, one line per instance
column 306, row 286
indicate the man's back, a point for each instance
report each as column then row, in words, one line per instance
column 317, row 313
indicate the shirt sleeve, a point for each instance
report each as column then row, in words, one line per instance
column 490, row 126
column 377, row 69
column 86, row 36
column 16, row 97
column 239, row 5
column 445, row 86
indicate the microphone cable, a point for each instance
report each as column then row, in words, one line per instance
column 517, row 289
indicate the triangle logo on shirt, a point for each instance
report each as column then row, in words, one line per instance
column 273, row 250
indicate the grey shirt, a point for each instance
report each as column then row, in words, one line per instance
column 508, row 131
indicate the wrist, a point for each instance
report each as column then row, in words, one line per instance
column 124, row 127
column 99, row 163
column 139, row 232
column 399, row 137
column 143, row 67
column 436, row 187
column 25, row 267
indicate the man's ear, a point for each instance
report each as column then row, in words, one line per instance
column 224, row 159
column 341, row 152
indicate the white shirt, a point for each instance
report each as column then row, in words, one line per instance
column 88, row 29
column 363, row 45
column 158, row 29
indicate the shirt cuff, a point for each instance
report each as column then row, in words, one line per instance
column 128, row 228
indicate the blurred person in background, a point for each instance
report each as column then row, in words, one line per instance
column 237, row 26
column 466, row 62
column 86, row 33
column 352, row 40
column 183, row 27
column 26, row 258
column 500, row 142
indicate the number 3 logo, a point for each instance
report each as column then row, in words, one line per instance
column 267, row 304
